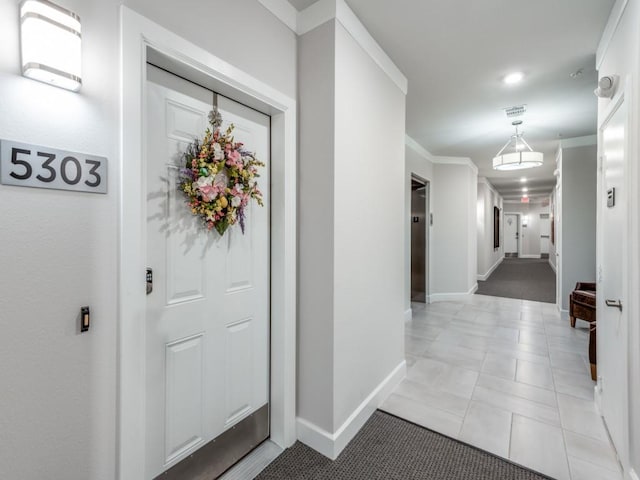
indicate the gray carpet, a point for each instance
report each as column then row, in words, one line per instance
column 528, row 279
column 388, row 448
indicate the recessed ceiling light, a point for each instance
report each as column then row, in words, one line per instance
column 513, row 78
column 525, row 189
column 525, row 196
column 523, row 180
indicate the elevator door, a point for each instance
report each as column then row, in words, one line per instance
column 419, row 241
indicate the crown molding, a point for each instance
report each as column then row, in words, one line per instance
column 579, row 141
column 609, row 32
column 489, row 185
column 325, row 10
column 315, row 15
column 456, row 161
column 361, row 35
column 419, row 149
column 283, row 11
column 427, row 155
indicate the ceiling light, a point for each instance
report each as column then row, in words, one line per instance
column 523, row 180
column 525, row 196
column 50, row 41
column 525, row 189
column 513, row 78
column 518, row 158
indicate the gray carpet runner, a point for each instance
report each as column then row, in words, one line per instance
column 389, row 448
column 528, row 279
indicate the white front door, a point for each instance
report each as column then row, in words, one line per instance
column 612, row 322
column 510, row 234
column 207, row 318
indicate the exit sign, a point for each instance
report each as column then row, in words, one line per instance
column 524, row 200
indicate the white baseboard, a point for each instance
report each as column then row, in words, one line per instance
column 553, row 267
column 530, row 256
column 408, row 315
column 597, row 398
column 564, row 314
column 453, row 297
column 633, row 475
column 490, row 271
column 331, row 444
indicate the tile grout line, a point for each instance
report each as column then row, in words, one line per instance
column 555, row 390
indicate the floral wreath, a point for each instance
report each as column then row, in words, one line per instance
column 219, row 178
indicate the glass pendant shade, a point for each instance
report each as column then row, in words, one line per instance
column 518, row 160
column 519, row 156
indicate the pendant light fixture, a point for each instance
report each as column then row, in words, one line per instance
column 519, row 155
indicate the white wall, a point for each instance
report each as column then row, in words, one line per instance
column 454, row 232
column 59, row 249
column 417, row 162
column 369, row 243
column 578, row 177
column 488, row 256
column 316, row 226
column 620, row 57
column 351, row 293
column 529, row 235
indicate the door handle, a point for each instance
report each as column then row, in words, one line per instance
column 614, row 303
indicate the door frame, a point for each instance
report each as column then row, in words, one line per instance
column 623, row 96
column 518, row 230
column 138, row 34
column 427, row 238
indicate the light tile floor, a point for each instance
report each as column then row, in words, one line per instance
column 510, row 377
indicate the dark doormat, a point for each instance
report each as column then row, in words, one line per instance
column 389, row 448
column 524, row 278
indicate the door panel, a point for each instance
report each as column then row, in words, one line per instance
column 510, row 234
column 184, row 420
column 612, row 322
column 207, row 320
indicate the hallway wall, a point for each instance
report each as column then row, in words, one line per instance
column 529, row 235
column 619, row 54
column 578, row 177
column 350, row 326
column 454, row 231
column 59, row 249
column 488, row 256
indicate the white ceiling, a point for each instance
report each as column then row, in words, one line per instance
column 455, row 54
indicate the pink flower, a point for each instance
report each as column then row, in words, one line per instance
column 234, row 158
column 208, row 192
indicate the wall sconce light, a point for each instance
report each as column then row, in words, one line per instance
column 51, row 44
column 525, row 220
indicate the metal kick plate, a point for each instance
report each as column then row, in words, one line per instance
column 221, row 453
